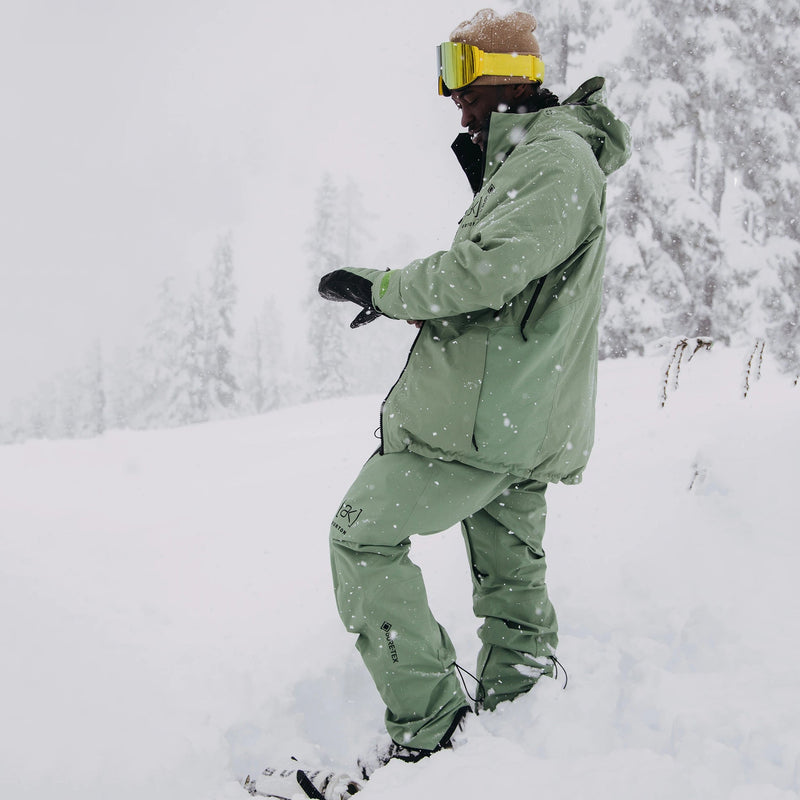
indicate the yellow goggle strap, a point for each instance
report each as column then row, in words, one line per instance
column 460, row 64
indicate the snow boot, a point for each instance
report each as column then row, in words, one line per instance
column 388, row 750
column 284, row 784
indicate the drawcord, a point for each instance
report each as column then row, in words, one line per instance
column 556, row 665
column 461, row 672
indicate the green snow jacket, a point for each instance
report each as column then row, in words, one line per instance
column 503, row 373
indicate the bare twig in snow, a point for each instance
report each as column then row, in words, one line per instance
column 672, row 373
column 753, row 369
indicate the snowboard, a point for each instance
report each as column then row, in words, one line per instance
column 288, row 783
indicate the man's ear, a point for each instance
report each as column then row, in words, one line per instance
column 519, row 90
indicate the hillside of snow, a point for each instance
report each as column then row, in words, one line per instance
column 168, row 624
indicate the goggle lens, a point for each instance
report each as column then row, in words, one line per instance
column 458, row 64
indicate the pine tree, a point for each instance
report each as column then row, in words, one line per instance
column 328, row 321
column 759, row 119
column 95, row 421
column 714, row 177
column 158, row 361
column 643, row 287
column 187, row 356
column 757, row 89
column 649, row 272
column 668, row 199
column 124, row 388
column 42, row 412
column 563, row 30
column 189, row 399
column 219, row 330
column 261, row 367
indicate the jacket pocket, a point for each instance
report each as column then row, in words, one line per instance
column 436, row 400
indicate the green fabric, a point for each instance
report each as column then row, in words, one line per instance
column 384, row 287
column 520, row 631
column 381, row 595
column 474, row 390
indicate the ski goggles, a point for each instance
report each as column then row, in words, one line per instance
column 459, row 64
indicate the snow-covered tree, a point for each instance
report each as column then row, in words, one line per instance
column 158, row 361
column 714, row 176
column 94, row 422
column 563, row 30
column 261, row 368
column 72, row 404
column 189, row 398
column 182, row 372
column 188, row 351
column 327, row 366
column 124, row 388
column 668, row 198
column 759, row 120
column 219, row 330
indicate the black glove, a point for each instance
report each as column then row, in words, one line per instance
column 342, row 286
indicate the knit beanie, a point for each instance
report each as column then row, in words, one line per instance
column 493, row 33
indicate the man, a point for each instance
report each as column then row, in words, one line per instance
column 497, row 397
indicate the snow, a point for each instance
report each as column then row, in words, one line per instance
column 168, row 623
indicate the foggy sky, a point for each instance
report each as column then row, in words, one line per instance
column 135, row 134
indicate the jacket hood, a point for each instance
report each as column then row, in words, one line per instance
column 584, row 112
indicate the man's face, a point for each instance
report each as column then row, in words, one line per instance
column 477, row 103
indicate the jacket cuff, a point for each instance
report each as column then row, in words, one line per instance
column 380, row 280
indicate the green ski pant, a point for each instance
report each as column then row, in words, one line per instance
column 381, row 595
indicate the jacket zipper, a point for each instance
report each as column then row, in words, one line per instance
column 399, row 377
column 529, row 309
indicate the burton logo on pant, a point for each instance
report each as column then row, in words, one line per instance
column 348, row 515
column 390, row 636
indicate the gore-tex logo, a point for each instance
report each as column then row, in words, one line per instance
column 390, row 635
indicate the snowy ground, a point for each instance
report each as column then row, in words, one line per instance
column 167, row 622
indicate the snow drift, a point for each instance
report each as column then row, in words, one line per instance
column 168, row 624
